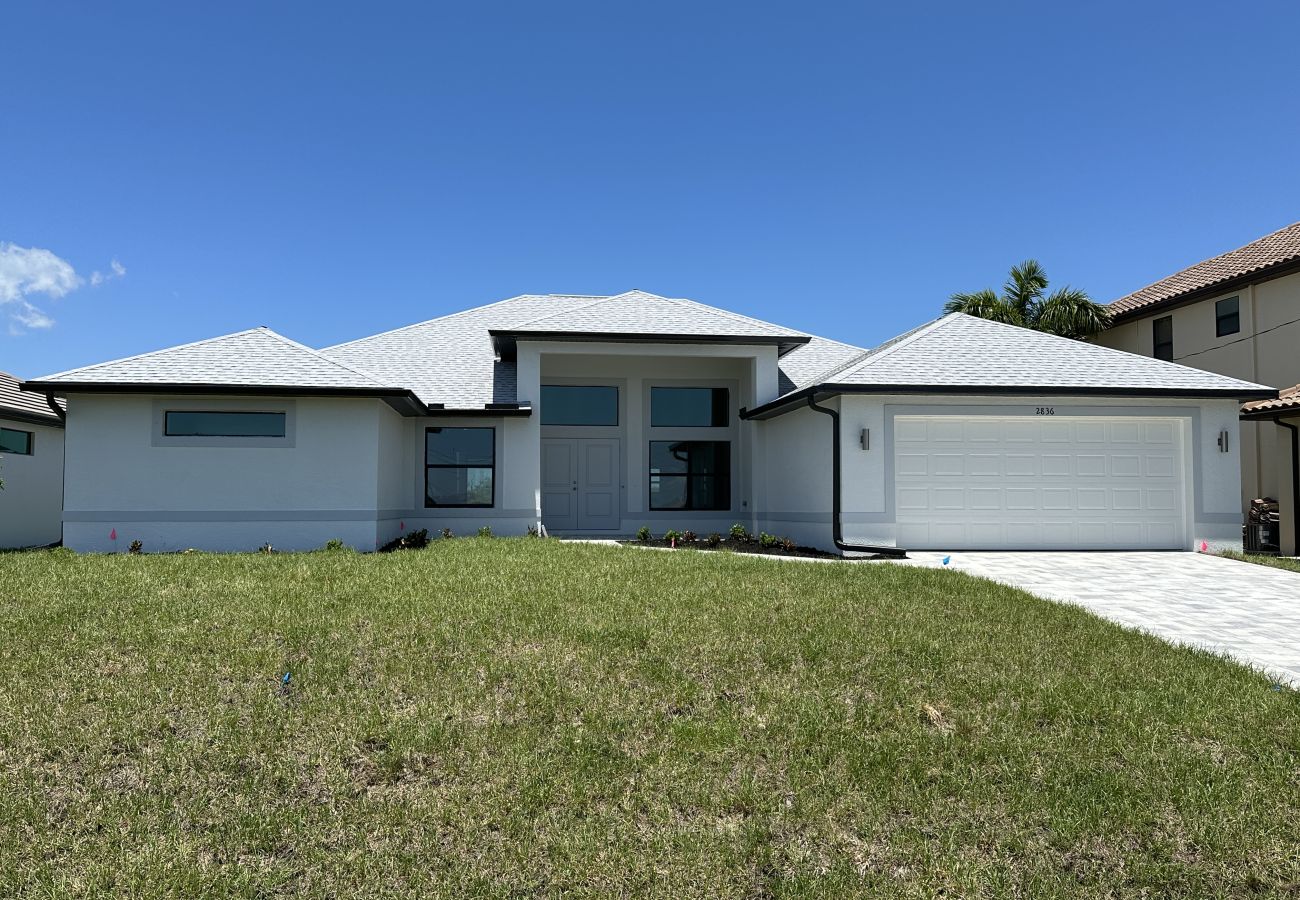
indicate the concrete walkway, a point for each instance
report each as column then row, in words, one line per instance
column 1247, row 611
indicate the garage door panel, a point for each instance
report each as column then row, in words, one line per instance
column 1023, row 483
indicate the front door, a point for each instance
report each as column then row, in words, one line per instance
column 580, row 484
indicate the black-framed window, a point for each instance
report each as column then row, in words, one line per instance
column 690, row 474
column 579, row 404
column 16, row 442
column 1227, row 316
column 1162, row 338
column 203, row 423
column 459, row 466
column 689, row 407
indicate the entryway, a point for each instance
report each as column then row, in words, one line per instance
column 580, row 484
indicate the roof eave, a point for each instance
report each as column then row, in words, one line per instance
column 1264, row 273
column 402, row 400
column 782, row 405
column 30, row 418
column 506, row 339
column 487, row 411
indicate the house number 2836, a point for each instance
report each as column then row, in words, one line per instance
column 1045, row 410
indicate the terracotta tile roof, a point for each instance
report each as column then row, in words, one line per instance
column 1274, row 249
column 1288, row 401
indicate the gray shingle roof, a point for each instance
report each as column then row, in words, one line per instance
column 1278, row 248
column 24, row 405
column 256, row 358
column 451, row 360
column 959, row 350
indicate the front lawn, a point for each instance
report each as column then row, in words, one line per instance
column 520, row 717
column 1278, row 562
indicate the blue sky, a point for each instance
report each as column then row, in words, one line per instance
column 336, row 170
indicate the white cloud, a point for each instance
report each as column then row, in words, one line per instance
column 28, row 271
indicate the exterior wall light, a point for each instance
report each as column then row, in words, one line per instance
column 1223, row 441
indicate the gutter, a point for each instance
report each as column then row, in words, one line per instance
column 58, row 410
column 837, row 528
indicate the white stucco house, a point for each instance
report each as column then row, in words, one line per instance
column 592, row 415
column 31, row 467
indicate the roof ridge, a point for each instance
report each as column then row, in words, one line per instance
column 113, row 362
column 321, row 356
column 571, row 309
column 452, row 315
column 734, row 315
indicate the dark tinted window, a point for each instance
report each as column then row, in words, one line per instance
column 690, row 475
column 460, row 466
column 186, row 423
column 689, row 407
column 1162, row 331
column 14, row 441
column 1227, row 316
column 575, row 404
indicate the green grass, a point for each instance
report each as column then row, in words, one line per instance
column 1277, row 562
column 521, row 717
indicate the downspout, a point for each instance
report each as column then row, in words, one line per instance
column 58, row 410
column 837, row 529
column 1295, row 482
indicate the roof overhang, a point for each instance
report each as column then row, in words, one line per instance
column 30, row 418
column 505, row 340
column 487, row 411
column 402, row 400
column 1227, row 285
column 799, row 398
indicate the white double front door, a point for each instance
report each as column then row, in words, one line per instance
column 580, row 484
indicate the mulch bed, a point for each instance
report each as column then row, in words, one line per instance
column 738, row 547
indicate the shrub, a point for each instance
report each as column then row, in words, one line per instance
column 643, row 534
column 788, row 545
column 335, row 545
column 766, row 541
column 690, row 536
column 136, row 548
column 485, row 531
column 415, row 540
column 739, row 532
column 266, row 548
column 672, row 535
column 534, row 531
column 714, row 539
column 447, row 533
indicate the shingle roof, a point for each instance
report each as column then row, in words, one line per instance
column 1288, row 401
column 1278, row 248
column 451, row 360
column 966, row 354
column 23, row 405
column 255, row 358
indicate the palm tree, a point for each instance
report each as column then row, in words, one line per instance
column 1068, row 312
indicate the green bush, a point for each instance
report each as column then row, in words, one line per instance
column 448, row 533
column 767, row 541
column 672, row 535
column 690, row 536
column 714, row 539
column 643, row 534
column 485, row 531
column 334, row 544
column 739, row 532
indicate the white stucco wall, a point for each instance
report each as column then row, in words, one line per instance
column 31, row 502
column 122, row 476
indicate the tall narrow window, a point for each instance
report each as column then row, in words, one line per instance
column 690, row 475
column 689, row 407
column 1162, row 338
column 579, row 404
column 1227, row 316
column 16, row 442
column 459, row 466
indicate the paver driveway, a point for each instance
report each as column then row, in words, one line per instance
column 1249, row 612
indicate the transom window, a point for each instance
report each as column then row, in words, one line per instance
column 579, row 404
column 197, row 423
column 1227, row 316
column 1162, row 338
column 16, row 442
column 689, row 407
column 460, row 466
column 690, row 474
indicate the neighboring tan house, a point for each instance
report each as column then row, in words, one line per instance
column 1237, row 314
column 31, row 467
column 595, row 415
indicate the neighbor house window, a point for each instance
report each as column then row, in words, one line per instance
column 689, row 407
column 690, row 475
column 194, row 423
column 1227, row 316
column 1162, row 338
column 579, row 404
column 15, row 441
column 459, row 466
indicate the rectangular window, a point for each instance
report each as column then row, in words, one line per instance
column 689, row 407
column 459, row 465
column 193, row 423
column 690, row 475
column 15, row 441
column 1162, row 338
column 1227, row 316
column 579, row 404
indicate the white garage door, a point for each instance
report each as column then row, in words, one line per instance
column 1039, row 482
